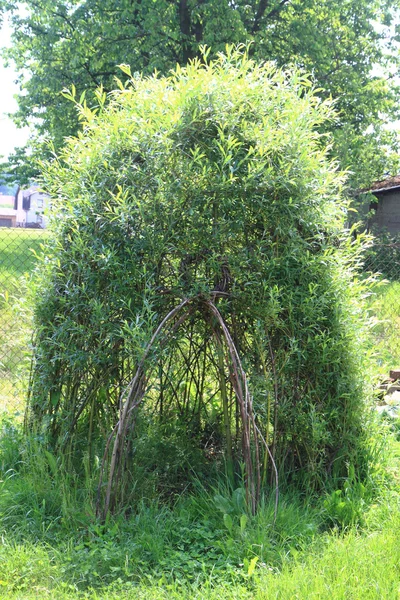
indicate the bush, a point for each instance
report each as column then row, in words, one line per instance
column 212, row 186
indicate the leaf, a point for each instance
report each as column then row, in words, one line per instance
column 239, row 499
column 51, row 459
column 125, row 69
column 252, row 566
column 228, row 522
column 223, row 504
column 243, row 523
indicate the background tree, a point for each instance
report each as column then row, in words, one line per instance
column 59, row 43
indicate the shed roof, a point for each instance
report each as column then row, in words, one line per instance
column 390, row 183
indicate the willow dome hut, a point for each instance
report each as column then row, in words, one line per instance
column 198, row 310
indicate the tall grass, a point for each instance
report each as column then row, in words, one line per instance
column 202, row 545
column 161, row 553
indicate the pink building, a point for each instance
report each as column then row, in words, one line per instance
column 22, row 208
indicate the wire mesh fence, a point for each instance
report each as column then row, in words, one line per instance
column 383, row 259
column 19, row 251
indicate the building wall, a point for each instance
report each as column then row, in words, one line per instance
column 387, row 214
column 20, row 212
column 19, row 217
column 7, row 210
column 35, row 213
column 7, row 220
column 7, row 201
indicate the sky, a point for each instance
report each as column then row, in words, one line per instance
column 10, row 135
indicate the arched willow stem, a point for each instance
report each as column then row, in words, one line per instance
column 135, row 394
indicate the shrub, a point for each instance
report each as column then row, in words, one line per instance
column 211, row 186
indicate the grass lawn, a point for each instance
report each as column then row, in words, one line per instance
column 17, row 253
column 52, row 546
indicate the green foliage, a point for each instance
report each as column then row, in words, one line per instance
column 10, row 444
column 212, row 180
column 346, row 507
column 167, row 460
column 186, row 543
column 229, row 161
column 81, row 43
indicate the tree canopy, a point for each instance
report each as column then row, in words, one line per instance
column 59, row 43
column 201, row 206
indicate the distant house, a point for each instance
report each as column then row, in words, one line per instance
column 10, row 205
column 34, row 202
column 386, row 208
column 22, row 208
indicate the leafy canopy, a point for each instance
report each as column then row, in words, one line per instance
column 57, row 44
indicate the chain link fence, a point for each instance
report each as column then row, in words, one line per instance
column 19, row 251
column 383, row 259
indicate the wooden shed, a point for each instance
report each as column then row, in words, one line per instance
column 386, row 208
